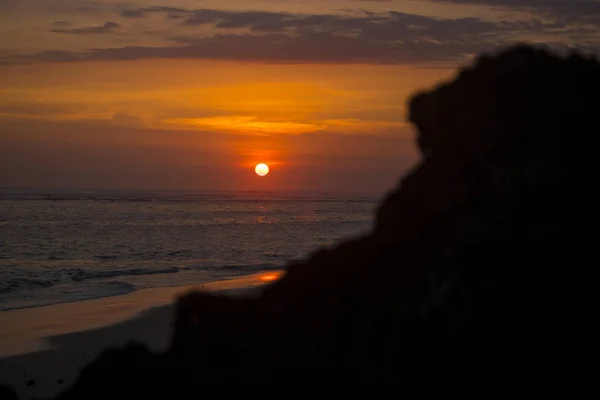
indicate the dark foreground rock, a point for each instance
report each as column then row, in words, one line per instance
column 480, row 260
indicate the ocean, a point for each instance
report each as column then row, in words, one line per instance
column 65, row 246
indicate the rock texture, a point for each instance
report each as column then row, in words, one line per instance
column 478, row 259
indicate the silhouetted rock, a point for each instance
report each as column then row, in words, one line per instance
column 478, row 258
column 7, row 393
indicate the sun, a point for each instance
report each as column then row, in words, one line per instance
column 261, row 169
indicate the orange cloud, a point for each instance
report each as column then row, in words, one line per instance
column 245, row 124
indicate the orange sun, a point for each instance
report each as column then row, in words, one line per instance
column 261, row 169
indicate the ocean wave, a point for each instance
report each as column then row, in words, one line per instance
column 179, row 253
column 272, row 255
column 11, row 285
column 106, row 257
column 88, row 292
column 247, row 267
column 72, row 285
column 83, row 275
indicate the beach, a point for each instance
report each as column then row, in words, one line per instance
column 84, row 271
column 44, row 348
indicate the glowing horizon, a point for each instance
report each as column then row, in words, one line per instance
column 99, row 94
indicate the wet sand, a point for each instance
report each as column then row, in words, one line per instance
column 51, row 344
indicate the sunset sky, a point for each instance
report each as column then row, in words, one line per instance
column 192, row 94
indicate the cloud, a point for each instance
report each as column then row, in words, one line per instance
column 394, row 24
column 279, row 48
column 61, row 23
column 43, row 8
column 356, row 37
column 108, row 27
column 252, row 125
column 246, row 124
column 579, row 11
column 575, row 5
column 38, row 109
column 143, row 12
column 132, row 14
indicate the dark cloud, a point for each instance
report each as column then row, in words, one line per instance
column 574, row 11
column 359, row 37
column 361, row 22
column 108, row 27
column 143, row 12
column 46, row 6
column 391, row 25
column 243, row 19
column 133, row 14
column 281, row 48
column 575, row 5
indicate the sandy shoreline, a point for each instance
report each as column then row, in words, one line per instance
column 50, row 344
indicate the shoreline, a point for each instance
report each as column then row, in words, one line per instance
column 43, row 349
column 118, row 283
column 24, row 330
column 134, row 289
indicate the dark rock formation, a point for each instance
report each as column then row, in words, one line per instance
column 479, row 257
column 7, row 393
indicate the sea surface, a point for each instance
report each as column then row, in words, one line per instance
column 65, row 246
